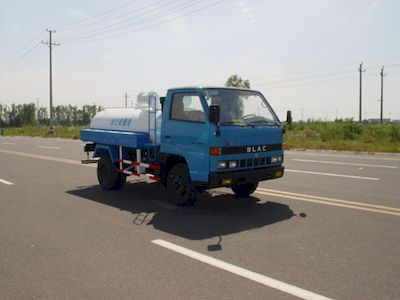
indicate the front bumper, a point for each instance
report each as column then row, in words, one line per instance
column 255, row 175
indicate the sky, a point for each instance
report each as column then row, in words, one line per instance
column 303, row 55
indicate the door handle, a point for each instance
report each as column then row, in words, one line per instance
column 168, row 136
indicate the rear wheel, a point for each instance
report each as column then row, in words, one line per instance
column 244, row 189
column 108, row 177
column 180, row 186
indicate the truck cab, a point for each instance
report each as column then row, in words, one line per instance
column 209, row 137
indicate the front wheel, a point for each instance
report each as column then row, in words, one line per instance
column 244, row 189
column 180, row 185
column 108, row 178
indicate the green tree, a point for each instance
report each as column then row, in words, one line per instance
column 74, row 112
column 27, row 114
column 237, row 81
column 43, row 118
column 14, row 116
column 17, row 115
column 6, row 115
column 2, row 115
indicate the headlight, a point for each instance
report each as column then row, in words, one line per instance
column 221, row 164
column 276, row 159
column 232, row 164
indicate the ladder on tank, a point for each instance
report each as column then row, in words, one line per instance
column 152, row 127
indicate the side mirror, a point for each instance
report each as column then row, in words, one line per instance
column 162, row 101
column 213, row 114
column 289, row 117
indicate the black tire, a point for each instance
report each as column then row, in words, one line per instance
column 108, row 177
column 244, row 189
column 179, row 185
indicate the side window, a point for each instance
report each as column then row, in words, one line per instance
column 187, row 107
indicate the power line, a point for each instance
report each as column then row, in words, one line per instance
column 32, row 62
column 26, row 54
column 313, row 82
column 300, row 84
column 382, row 59
column 39, row 53
column 295, row 74
column 302, row 78
column 29, row 60
column 30, row 57
column 97, row 15
column 154, row 24
column 22, row 48
column 393, row 65
column 312, row 70
column 7, row 59
column 111, row 18
column 110, row 29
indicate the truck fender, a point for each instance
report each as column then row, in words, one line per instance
column 103, row 150
column 167, row 162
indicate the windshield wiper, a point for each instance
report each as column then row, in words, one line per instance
column 264, row 122
column 249, row 124
column 236, row 123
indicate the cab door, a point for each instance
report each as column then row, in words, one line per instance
column 185, row 132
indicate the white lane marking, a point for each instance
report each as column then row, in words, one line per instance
column 53, row 140
column 267, row 281
column 331, row 201
column 6, row 182
column 49, row 147
column 9, row 143
column 343, row 163
column 74, row 162
column 330, row 174
column 62, row 160
column 356, row 156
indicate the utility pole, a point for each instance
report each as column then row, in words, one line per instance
column 51, row 44
column 360, row 69
column 382, row 74
column 126, row 99
column 37, row 110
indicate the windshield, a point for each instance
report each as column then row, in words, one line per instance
column 241, row 107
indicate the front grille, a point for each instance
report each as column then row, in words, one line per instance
column 249, row 162
column 254, row 162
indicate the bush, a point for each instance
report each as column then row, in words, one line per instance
column 351, row 131
column 395, row 133
column 345, row 135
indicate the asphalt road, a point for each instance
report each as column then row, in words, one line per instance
column 329, row 228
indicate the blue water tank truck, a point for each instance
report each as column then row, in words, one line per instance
column 200, row 138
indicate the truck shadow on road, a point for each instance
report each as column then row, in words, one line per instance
column 217, row 213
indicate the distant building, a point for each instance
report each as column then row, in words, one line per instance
column 377, row 121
